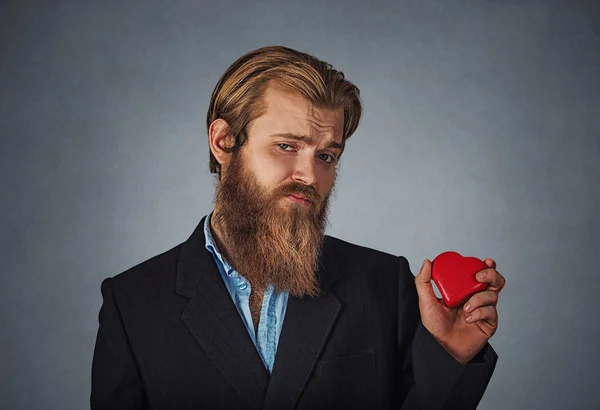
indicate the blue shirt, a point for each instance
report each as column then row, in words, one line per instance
column 273, row 309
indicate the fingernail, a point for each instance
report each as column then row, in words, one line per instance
column 468, row 318
column 467, row 307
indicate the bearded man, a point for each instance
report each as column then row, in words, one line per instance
column 259, row 309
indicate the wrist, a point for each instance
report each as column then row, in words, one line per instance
column 457, row 353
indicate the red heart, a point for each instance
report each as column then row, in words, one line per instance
column 454, row 275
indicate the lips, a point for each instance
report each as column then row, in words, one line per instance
column 301, row 194
column 299, row 199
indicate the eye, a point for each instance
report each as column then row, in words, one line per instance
column 327, row 158
column 285, row 147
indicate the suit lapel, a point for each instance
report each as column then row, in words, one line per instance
column 213, row 320
column 307, row 326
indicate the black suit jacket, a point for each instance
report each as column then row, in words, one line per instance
column 170, row 338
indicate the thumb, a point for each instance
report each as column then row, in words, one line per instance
column 423, row 283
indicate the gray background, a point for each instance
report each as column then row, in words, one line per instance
column 480, row 135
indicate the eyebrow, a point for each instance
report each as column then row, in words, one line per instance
column 306, row 138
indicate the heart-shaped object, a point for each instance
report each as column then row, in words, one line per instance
column 454, row 275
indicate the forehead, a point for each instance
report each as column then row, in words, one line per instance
column 290, row 113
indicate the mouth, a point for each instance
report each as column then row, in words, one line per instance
column 299, row 199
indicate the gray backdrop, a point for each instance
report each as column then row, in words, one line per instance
column 480, row 135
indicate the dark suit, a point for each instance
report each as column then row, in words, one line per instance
column 171, row 338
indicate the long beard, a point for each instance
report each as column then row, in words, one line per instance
column 266, row 242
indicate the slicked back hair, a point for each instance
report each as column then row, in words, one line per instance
column 237, row 97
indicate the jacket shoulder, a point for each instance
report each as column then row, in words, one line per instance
column 158, row 270
column 362, row 256
column 354, row 251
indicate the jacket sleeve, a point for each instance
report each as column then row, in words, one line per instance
column 116, row 379
column 428, row 376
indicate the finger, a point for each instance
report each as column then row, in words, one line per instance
column 490, row 263
column 487, row 313
column 485, row 298
column 423, row 283
column 491, row 276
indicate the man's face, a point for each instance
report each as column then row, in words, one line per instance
column 294, row 143
column 273, row 194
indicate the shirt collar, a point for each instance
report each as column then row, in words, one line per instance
column 212, row 247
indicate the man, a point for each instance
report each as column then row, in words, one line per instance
column 258, row 308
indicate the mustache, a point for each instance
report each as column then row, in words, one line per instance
column 307, row 191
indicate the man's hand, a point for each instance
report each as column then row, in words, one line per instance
column 462, row 331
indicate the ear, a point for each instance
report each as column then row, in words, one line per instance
column 219, row 141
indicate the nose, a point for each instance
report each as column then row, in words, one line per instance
column 304, row 170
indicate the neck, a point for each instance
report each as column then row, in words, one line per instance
column 220, row 238
column 219, row 235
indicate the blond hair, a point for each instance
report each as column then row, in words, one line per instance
column 237, row 97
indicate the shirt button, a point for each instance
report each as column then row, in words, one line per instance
column 242, row 286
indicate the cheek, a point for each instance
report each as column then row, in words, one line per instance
column 325, row 178
column 271, row 171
